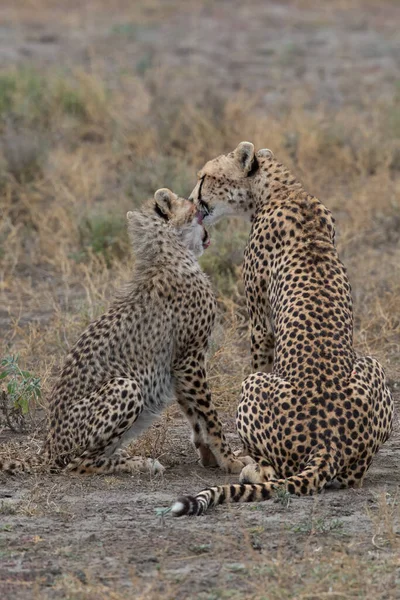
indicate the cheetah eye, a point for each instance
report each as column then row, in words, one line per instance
column 202, row 203
column 205, row 209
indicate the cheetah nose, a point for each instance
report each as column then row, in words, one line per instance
column 199, row 217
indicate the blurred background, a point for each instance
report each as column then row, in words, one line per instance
column 102, row 104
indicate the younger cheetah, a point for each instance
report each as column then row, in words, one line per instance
column 322, row 413
column 147, row 349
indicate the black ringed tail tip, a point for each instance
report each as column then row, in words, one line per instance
column 186, row 505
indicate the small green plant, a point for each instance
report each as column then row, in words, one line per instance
column 21, row 389
column 161, row 514
column 282, row 496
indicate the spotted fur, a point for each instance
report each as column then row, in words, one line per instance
column 147, row 349
column 313, row 412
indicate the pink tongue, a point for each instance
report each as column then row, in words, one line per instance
column 207, row 243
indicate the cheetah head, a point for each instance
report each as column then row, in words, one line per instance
column 184, row 218
column 224, row 185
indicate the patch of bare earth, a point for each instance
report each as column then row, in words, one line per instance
column 64, row 537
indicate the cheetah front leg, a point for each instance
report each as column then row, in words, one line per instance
column 194, row 397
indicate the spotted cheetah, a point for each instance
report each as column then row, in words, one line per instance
column 313, row 412
column 147, row 349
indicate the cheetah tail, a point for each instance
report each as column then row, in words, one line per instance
column 223, row 494
column 316, row 474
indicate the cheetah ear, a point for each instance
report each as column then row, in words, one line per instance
column 245, row 156
column 163, row 202
column 265, row 153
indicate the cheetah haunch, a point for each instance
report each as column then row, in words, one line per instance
column 147, row 349
column 322, row 413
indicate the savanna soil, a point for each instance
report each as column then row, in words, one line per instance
column 103, row 537
column 316, row 82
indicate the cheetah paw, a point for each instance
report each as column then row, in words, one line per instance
column 236, row 465
column 250, row 474
column 246, row 459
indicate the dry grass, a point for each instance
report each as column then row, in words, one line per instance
column 63, row 244
column 77, row 155
column 385, row 517
column 360, row 580
column 321, row 561
column 83, row 142
column 319, row 572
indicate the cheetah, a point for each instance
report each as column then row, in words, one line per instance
column 147, row 349
column 313, row 413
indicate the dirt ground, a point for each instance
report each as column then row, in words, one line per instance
column 67, row 537
column 107, row 537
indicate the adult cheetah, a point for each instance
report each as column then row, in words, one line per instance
column 147, row 349
column 313, row 412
